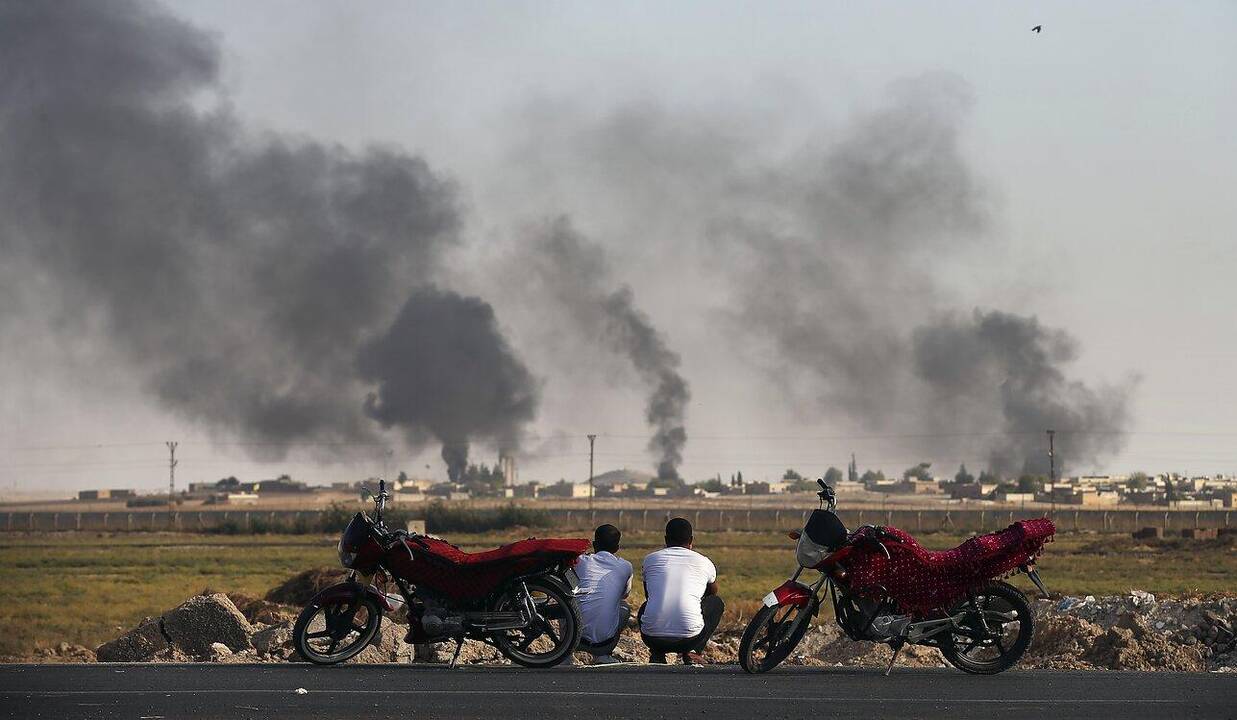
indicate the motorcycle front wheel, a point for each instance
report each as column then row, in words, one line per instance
column 553, row 634
column 773, row 634
column 995, row 631
column 332, row 631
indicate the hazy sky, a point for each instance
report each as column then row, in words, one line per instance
column 1105, row 145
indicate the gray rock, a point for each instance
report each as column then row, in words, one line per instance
column 140, row 644
column 274, row 641
column 387, row 646
column 205, row 620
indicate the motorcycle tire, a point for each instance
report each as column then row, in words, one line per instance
column 785, row 646
column 556, row 605
column 302, row 634
column 995, row 597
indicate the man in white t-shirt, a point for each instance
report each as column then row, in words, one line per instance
column 683, row 608
column 607, row 578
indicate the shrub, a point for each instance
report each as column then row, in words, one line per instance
column 440, row 517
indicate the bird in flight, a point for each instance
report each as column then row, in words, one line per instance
column 1037, row 28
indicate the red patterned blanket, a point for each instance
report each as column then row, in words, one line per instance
column 923, row 581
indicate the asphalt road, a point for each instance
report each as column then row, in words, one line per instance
column 718, row 693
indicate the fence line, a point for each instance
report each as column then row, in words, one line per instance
column 953, row 520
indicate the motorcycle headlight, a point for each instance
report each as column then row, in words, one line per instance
column 346, row 558
column 808, row 553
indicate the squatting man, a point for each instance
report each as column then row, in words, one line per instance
column 682, row 610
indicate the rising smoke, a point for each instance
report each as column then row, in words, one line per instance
column 579, row 279
column 238, row 273
column 266, row 286
column 859, row 318
column 1004, row 371
column 827, row 260
column 443, row 367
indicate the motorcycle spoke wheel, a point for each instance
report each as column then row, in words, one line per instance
column 550, row 636
column 336, row 631
column 995, row 631
column 772, row 635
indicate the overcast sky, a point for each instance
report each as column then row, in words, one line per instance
column 1105, row 145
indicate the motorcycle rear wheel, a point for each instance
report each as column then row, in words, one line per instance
column 331, row 632
column 547, row 642
column 981, row 650
column 773, row 634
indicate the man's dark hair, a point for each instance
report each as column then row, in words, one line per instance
column 678, row 532
column 606, row 538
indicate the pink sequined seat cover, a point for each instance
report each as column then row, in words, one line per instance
column 923, row 581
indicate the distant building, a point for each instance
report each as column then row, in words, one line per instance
column 564, row 489
column 279, row 486
column 763, row 487
column 1085, row 496
column 1145, row 497
column 621, row 482
column 1014, row 497
column 970, row 491
column 414, row 485
column 112, row 494
column 531, row 489
column 448, row 491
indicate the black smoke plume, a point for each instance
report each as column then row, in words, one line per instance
column 239, row 273
column 1003, row 372
column 444, row 367
column 578, row 276
column 854, row 306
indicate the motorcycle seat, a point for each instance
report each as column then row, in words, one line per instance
column 978, row 550
column 566, row 547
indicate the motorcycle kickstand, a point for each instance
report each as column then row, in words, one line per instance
column 459, row 645
column 897, row 648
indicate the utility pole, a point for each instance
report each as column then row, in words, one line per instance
column 1052, row 470
column 591, row 440
column 171, row 476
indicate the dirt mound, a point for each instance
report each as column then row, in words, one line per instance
column 1137, row 631
column 300, row 588
column 1059, row 643
column 1132, row 644
column 259, row 611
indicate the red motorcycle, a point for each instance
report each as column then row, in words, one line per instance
column 885, row 587
column 521, row 598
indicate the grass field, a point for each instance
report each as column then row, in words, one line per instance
column 86, row 588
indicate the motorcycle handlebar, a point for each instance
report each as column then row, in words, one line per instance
column 826, row 493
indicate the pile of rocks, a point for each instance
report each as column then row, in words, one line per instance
column 217, row 627
column 204, row 627
column 1135, row 631
column 64, row 653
